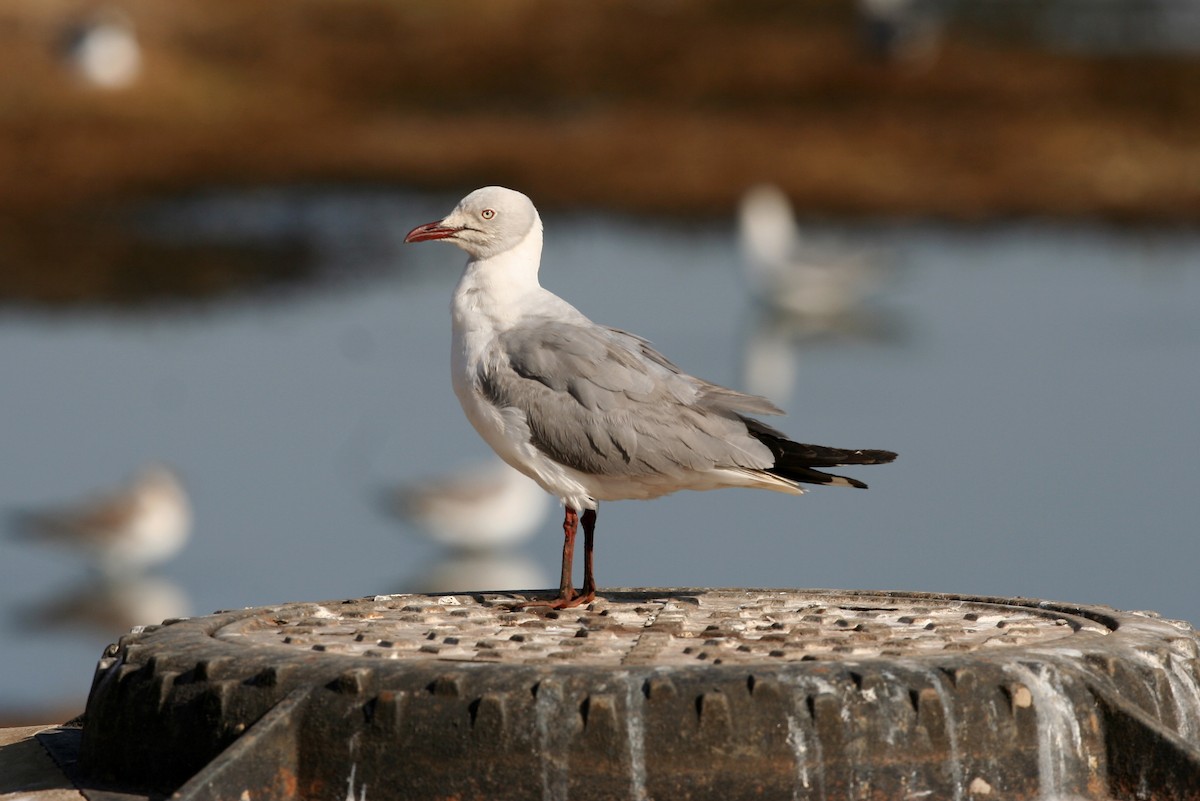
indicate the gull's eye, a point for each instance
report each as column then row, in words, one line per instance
column 487, row 214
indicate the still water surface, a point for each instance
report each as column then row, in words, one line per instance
column 1041, row 384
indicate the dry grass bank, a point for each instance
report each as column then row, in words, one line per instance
column 670, row 107
column 666, row 106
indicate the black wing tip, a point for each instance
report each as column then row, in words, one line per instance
column 796, row 461
column 807, row 475
column 802, row 470
column 874, row 457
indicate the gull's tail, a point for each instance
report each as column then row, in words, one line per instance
column 796, row 461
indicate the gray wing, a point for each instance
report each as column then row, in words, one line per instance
column 601, row 400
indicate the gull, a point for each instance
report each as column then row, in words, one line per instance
column 805, row 291
column 140, row 525
column 480, row 508
column 480, row 513
column 593, row 413
column 817, row 286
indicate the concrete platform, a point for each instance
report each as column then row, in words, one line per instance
column 28, row 772
column 680, row 693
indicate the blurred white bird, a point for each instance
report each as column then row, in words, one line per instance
column 481, row 508
column 129, row 530
column 103, row 49
column 807, row 293
column 817, row 283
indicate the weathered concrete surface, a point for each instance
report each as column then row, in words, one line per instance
column 27, row 772
column 654, row 694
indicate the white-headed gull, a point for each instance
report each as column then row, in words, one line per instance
column 593, row 413
column 133, row 528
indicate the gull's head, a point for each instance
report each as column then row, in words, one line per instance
column 485, row 223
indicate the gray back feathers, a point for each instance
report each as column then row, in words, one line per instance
column 601, row 400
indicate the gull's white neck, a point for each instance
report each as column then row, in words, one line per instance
column 494, row 292
column 493, row 295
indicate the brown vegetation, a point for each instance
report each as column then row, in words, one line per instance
column 668, row 106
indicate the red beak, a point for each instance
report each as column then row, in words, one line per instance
column 428, row 231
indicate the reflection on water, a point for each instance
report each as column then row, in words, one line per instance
column 1125, row 27
column 775, row 342
column 341, row 233
column 1039, row 384
column 104, row 605
column 459, row 571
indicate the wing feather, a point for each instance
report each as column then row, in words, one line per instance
column 601, row 400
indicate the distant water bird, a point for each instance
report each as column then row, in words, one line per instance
column 806, row 293
column 486, row 507
column 594, row 413
column 819, row 283
column 136, row 527
column 109, row 605
column 103, row 49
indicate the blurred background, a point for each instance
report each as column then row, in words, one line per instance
column 965, row 231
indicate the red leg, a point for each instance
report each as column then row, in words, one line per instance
column 567, row 597
column 570, row 524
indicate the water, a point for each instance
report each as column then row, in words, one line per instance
column 1039, row 382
